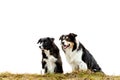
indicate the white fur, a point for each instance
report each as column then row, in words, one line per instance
column 74, row 58
column 43, row 71
column 50, row 62
column 41, row 45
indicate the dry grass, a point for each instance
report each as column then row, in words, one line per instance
column 69, row 76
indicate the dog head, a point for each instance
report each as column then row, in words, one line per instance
column 45, row 43
column 68, row 41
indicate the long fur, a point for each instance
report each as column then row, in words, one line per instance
column 77, row 55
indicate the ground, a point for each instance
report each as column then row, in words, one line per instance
column 68, row 76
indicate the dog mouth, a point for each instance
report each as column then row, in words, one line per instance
column 66, row 46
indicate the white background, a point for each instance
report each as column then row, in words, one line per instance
column 23, row 22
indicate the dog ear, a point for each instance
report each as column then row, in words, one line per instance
column 61, row 37
column 73, row 35
column 39, row 41
column 51, row 39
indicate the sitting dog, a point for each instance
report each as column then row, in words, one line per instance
column 51, row 60
column 77, row 55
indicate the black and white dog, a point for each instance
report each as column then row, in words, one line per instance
column 51, row 60
column 77, row 55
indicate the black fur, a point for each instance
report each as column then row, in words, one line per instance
column 48, row 44
column 89, row 60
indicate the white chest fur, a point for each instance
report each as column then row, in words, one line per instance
column 50, row 62
column 74, row 58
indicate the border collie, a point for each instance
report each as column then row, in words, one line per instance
column 77, row 55
column 51, row 60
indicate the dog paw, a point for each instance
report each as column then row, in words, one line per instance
column 42, row 72
column 83, row 66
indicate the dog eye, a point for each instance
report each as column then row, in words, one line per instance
column 63, row 38
column 67, row 39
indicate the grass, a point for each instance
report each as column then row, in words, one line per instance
column 68, row 76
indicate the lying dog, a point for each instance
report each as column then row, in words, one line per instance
column 51, row 60
column 77, row 55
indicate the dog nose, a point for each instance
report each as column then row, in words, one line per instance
column 39, row 46
column 63, row 43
